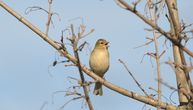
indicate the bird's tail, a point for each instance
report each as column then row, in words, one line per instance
column 98, row 89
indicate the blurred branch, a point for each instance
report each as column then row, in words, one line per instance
column 150, row 40
column 73, row 99
column 187, row 68
column 184, row 83
column 75, row 95
column 43, row 105
column 34, row 8
column 167, row 85
column 168, row 35
column 49, row 16
column 154, row 18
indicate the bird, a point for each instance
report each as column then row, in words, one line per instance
column 99, row 62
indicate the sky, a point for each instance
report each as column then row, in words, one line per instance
column 28, row 79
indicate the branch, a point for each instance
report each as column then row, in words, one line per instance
column 49, row 16
column 154, row 18
column 126, row 6
column 109, row 85
column 74, row 41
column 181, row 76
column 138, row 84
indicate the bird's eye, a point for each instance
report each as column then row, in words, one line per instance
column 101, row 43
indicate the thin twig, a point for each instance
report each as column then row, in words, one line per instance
column 149, row 54
column 139, row 85
column 34, row 8
column 49, row 16
column 161, row 94
column 73, row 99
column 43, row 105
column 167, row 85
column 148, row 42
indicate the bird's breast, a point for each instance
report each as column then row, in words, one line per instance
column 99, row 61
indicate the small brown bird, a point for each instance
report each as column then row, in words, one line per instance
column 99, row 62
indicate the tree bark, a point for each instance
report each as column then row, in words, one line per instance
column 181, row 76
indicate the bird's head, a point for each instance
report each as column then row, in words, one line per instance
column 102, row 43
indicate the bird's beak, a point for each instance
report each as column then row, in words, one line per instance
column 107, row 44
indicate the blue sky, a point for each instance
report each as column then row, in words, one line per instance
column 25, row 59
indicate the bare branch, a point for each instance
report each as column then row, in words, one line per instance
column 175, row 41
column 139, row 85
column 148, row 42
column 149, row 54
column 49, row 16
column 74, row 41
